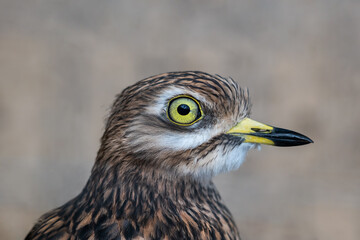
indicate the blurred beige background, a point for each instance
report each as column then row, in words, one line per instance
column 63, row 61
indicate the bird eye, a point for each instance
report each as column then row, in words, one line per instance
column 184, row 110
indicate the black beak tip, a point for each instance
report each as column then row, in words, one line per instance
column 304, row 139
column 287, row 138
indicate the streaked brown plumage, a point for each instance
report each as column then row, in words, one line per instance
column 152, row 175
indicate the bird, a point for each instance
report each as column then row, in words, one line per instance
column 165, row 138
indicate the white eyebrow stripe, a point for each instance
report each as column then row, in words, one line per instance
column 161, row 103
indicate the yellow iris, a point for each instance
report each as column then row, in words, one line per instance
column 184, row 110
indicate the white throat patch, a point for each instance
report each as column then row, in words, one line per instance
column 219, row 161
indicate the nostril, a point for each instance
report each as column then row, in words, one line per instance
column 259, row 130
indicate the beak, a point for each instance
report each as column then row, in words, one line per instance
column 254, row 132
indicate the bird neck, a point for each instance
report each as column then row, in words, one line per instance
column 151, row 198
column 136, row 183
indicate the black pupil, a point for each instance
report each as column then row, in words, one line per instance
column 183, row 109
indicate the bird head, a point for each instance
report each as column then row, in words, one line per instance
column 190, row 123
